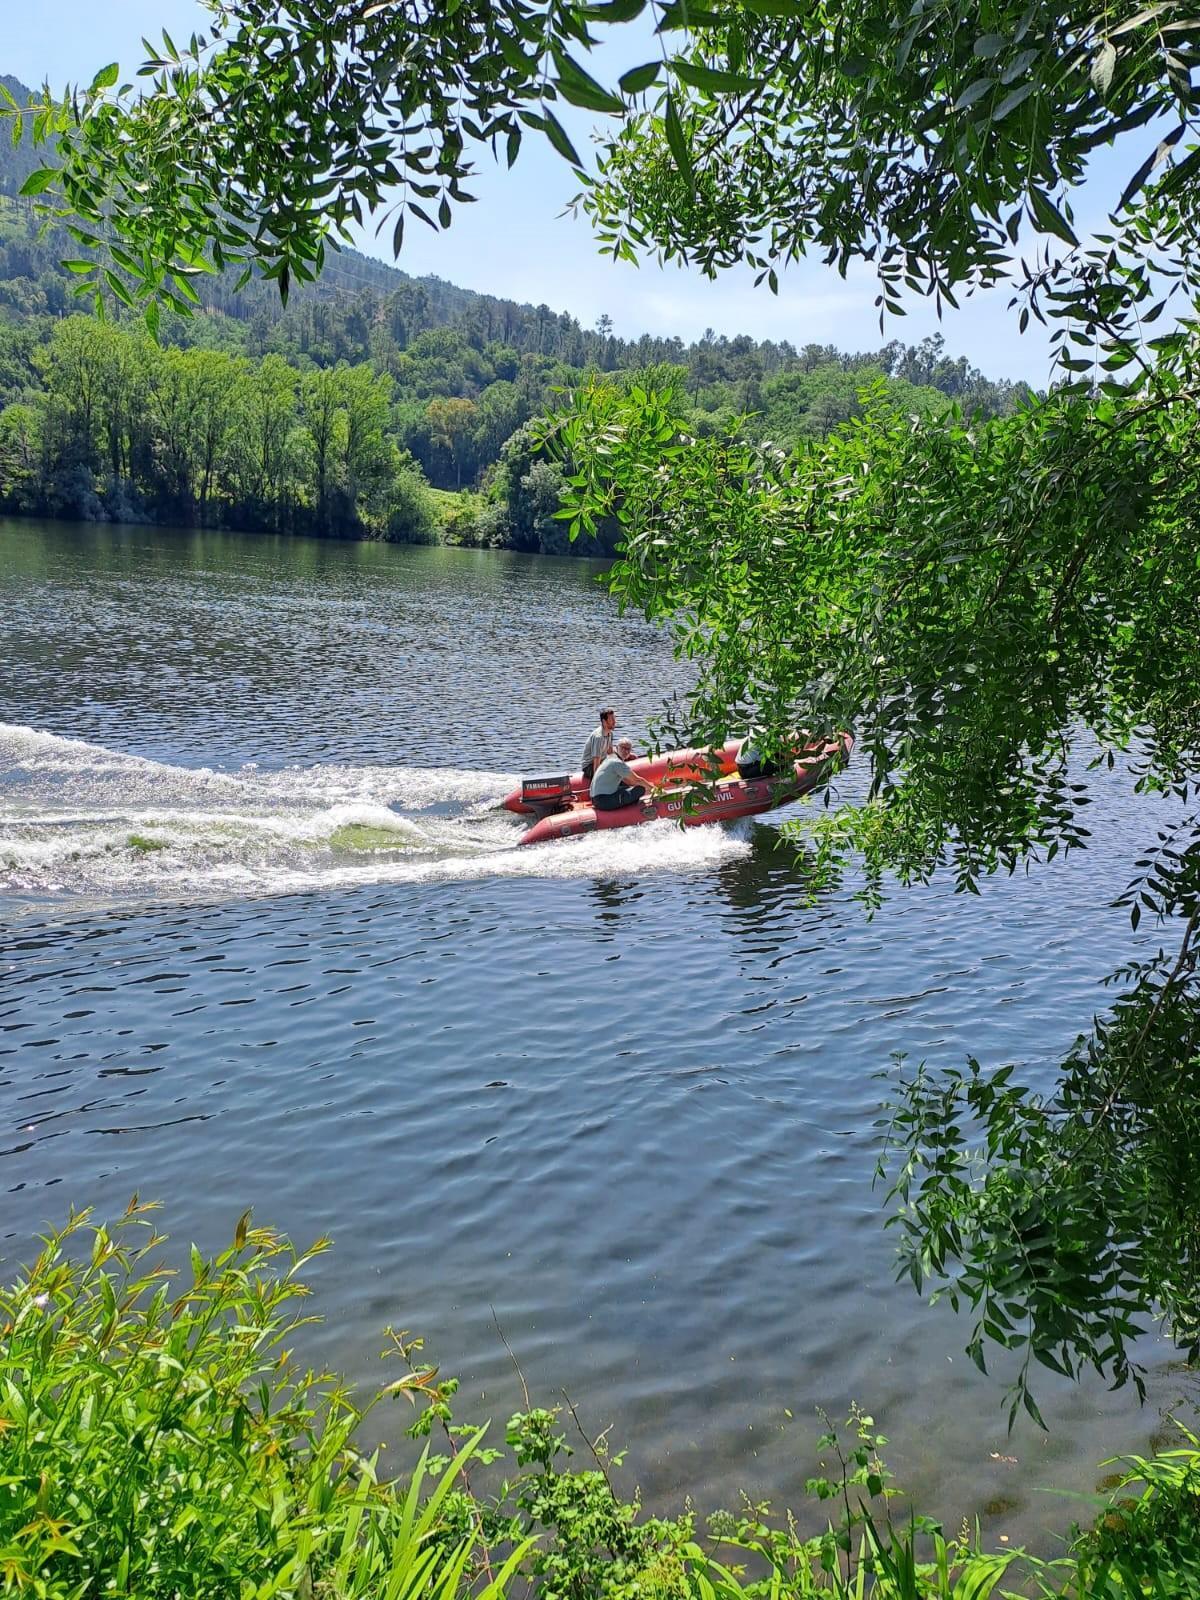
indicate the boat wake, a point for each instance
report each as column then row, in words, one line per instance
column 77, row 819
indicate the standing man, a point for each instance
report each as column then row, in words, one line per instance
column 600, row 744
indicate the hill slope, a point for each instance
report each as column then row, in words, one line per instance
column 359, row 296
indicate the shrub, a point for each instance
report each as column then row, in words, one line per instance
column 412, row 510
column 460, row 513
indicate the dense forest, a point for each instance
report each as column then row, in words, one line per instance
column 374, row 405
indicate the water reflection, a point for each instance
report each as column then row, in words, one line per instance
column 615, row 899
column 771, row 873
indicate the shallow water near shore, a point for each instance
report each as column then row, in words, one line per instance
column 267, row 941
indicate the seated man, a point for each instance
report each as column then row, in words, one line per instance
column 750, row 762
column 615, row 783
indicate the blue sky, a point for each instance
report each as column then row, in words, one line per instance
column 515, row 243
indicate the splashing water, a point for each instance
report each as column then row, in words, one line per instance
column 77, row 818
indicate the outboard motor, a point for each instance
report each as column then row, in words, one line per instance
column 547, row 795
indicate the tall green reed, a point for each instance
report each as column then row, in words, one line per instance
column 158, row 1439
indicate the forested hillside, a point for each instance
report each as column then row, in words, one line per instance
column 338, row 414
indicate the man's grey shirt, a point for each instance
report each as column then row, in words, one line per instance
column 611, row 775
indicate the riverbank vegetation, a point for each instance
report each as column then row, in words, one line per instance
column 159, row 1437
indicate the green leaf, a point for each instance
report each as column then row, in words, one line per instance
column 989, row 45
column 1011, row 101
column 614, row 10
column 685, row 16
column 974, row 91
column 1049, row 218
column 1155, row 159
column 521, row 63
column 677, row 141
column 106, row 77
column 639, row 78
column 1019, row 65
column 1103, row 63
column 710, row 79
column 575, row 94
column 38, row 182
column 581, row 89
column 557, row 135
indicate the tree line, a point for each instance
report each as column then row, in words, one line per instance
column 124, row 429
column 100, row 422
column 339, row 412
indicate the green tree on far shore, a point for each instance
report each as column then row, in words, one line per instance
column 125, row 429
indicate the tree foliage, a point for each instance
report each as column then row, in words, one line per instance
column 285, row 125
column 932, row 141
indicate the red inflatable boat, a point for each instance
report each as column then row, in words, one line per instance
column 567, row 812
column 538, row 795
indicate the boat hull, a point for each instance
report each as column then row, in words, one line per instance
column 728, row 799
column 672, row 766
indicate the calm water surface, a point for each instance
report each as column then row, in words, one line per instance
column 620, row 1090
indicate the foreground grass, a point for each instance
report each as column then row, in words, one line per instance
column 158, row 1440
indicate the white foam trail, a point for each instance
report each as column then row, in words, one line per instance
column 33, row 762
column 77, row 818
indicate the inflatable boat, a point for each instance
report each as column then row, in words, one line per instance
column 536, row 796
column 692, row 801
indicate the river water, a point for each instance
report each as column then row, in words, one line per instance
column 268, row 942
